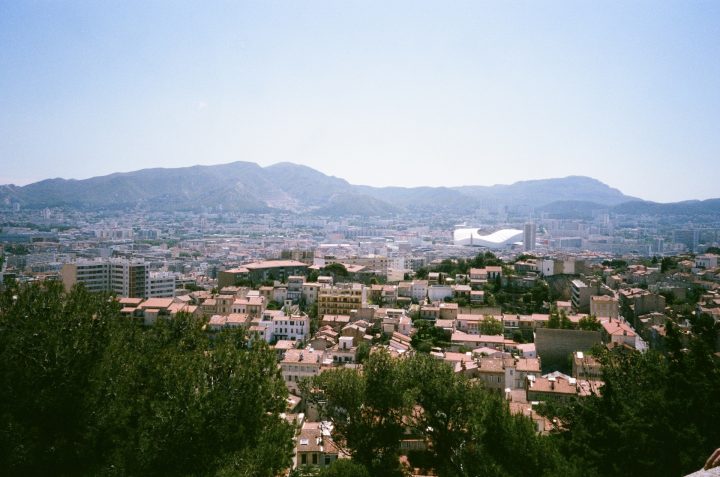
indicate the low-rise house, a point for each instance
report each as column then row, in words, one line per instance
column 462, row 292
column 439, row 292
column 550, row 388
column 281, row 347
column 344, row 352
column 448, row 311
column 707, row 260
column 491, row 372
column 400, row 343
column 478, row 278
column 510, row 322
column 336, row 322
column 356, row 330
column 540, row 320
column 641, row 301
column 418, row 290
column 469, row 324
column 405, row 326
column 209, row 307
column 321, row 343
column 518, row 369
column 445, row 325
column 527, row 350
column 223, row 304
column 460, row 338
column 154, row 308
column 315, row 446
column 251, row 305
column 586, row 367
column 565, row 306
column 298, row 364
column 429, row 312
column 233, row 320
column 618, row 333
column 477, row 297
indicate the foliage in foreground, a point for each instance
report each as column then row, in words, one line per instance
column 657, row 416
column 84, row 391
column 470, row 430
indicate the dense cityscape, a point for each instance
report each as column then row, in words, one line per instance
column 533, row 310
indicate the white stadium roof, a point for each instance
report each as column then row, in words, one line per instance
column 497, row 239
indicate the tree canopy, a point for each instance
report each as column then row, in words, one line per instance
column 85, row 391
column 470, row 430
column 657, row 414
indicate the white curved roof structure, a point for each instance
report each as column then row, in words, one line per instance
column 498, row 239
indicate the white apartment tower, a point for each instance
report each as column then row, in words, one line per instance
column 126, row 278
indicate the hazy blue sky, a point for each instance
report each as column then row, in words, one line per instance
column 380, row 93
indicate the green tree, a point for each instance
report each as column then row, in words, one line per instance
column 363, row 352
column 656, row 416
column 565, row 322
column 336, row 270
column 491, row 326
column 471, row 430
column 427, row 336
column 554, row 319
column 589, row 323
column 50, row 344
column 366, row 410
column 99, row 393
column 667, row 264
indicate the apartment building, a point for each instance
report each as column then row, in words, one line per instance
column 127, row 278
column 298, row 364
column 295, row 285
column 294, row 327
column 604, row 306
column 341, row 299
column 580, row 295
column 310, row 292
column 419, row 290
column 161, row 284
column 95, row 275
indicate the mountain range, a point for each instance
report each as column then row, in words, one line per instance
column 248, row 187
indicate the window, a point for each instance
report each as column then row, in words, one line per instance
column 303, row 459
column 315, row 459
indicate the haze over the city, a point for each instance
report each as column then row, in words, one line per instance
column 378, row 93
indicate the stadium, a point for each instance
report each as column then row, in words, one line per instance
column 500, row 239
